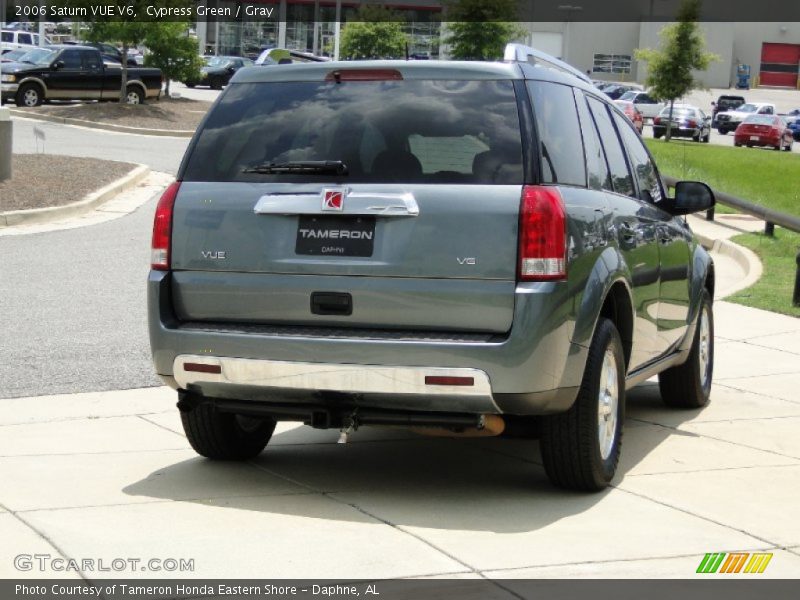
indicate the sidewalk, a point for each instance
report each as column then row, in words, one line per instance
column 108, row 475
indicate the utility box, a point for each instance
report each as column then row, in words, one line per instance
column 5, row 144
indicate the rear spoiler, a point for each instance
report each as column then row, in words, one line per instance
column 526, row 54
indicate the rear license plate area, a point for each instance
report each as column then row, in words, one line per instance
column 754, row 138
column 327, row 235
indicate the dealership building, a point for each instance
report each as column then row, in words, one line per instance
column 770, row 49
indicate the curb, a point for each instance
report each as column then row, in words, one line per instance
column 182, row 133
column 744, row 257
column 90, row 201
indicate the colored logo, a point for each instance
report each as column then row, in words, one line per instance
column 333, row 200
column 734, row 562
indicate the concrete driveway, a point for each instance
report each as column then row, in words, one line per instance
column 110, row 475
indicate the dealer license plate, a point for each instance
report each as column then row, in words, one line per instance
column 326, row 235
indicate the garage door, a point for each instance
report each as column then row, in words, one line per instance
column 779, row 64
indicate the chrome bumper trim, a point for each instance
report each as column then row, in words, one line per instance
column 366, row 379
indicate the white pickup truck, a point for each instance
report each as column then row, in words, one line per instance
column 648, row 106
column 731, row 119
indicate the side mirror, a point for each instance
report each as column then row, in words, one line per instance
column 690, row 197
column 59, row 64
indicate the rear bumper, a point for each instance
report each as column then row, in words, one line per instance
column 676, row 131
column 534, row 369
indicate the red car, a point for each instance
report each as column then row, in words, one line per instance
column 633, row 113
column 764, row 130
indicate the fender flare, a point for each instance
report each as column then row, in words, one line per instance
column 609, row 270
column 37, row 81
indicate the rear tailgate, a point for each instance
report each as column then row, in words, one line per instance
column 420, row 234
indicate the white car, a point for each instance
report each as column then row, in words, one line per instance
column 648, row 106
column 731, row 119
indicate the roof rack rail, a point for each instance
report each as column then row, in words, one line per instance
column 522, row 53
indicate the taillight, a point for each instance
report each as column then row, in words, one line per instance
column 542, row 235
column 162, row 229
column 657, row 121
column 691, row 123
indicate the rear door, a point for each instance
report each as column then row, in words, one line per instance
column 635, row 225
column 673, row 237
column 420, row 233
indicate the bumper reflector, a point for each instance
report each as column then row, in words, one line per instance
column 202, row 368
column 446, row 380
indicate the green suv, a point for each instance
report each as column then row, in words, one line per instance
column 459, row 247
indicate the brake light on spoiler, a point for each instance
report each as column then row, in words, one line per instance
column 542, row 235
column 340, row 75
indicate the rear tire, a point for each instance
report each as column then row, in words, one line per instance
column 225, row 436
column 689, row 385
column 657, row 135
column 581, row 447
column 216, row 83
column 722, row 131
column 134, row 95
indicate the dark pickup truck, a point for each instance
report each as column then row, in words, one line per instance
column 74, row 73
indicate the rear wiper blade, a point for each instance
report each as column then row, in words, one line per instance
column 334, row 167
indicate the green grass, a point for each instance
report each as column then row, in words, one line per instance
column 760, row 176
column 764, row 177
column 774, row 290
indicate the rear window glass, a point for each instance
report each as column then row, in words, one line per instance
column 559, row 133
column 759, row 120
column 726, row 103
column 384, row 131
column 681, row 113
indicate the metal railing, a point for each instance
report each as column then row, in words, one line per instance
column 769, row 216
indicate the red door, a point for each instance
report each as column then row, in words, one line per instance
column 779, row 64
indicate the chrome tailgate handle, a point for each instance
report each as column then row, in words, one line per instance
column 378, row 204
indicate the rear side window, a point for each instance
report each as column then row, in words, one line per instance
column 643, row 168
column 24, row 38
column 406, row 131
column 6, row 36
column 559, row 133
column 598, row 176
column 620, row 174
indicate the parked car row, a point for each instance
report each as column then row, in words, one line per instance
column 218, row 70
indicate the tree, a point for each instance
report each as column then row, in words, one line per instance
column 128, row 34
column 479, row 30
column 172, row 51
column 376, row 34
column 683, row 50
